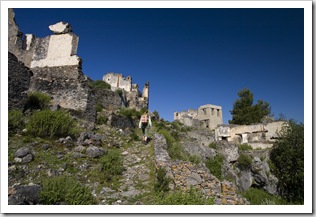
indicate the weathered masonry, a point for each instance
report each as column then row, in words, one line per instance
column 256, row 135
column 131, row 95
column 56, row 68
column 207, row 116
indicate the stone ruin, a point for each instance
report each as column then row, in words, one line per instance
column 132, row 97
column 255, row 135
column 57, row 70
column 208, row 116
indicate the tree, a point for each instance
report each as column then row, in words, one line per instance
column 244, row 112
column 287, row 156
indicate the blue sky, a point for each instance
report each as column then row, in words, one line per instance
column 190, row 56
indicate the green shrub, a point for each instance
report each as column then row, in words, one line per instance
column 169, row 138
column 215, row 166
column 38, row 100
column 156, row 114
column 244, row 147
column 47, row 123
column 260, row 197
column 119, row 92
column 15, row 119
column 162, row 182
column 98, row 107
column 99, row 84
column 101, row 119
column 131, row 113
column 192, row 197
column 112, row 164
column 244, row 161
column 62, row 189
column 212, row 145
column 195, row 159
column 287, row 156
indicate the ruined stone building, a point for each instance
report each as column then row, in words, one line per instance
column 55, row 66
column 51, row 66
column 131, row 95
column 207, row 116
column 256, row 135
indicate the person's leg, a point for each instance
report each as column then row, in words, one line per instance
column 146, row 134
column 143, row 130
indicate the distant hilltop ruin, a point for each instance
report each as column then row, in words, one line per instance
column 131, row 95
column 208, row 116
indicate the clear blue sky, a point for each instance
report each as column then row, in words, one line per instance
column 191, row 57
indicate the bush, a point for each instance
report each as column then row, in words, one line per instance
column 162, row 182
column 169, row 138
column 244, row 147
column 287, row 157
column 215, row 166
column 244, row 161
column 131, row 113
column 101, row 119
column 99, row 84
column 196, row 159
column 51, row 124
column 62, row 189
column 112, row 164
column 212, row 145
column 15, row 119
column 98, row 107
column 38, row 100
column 192, row 197
column 261, row 197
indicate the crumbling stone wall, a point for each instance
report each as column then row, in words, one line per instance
column 256, row 135
column 207, row 116
column 18, row 82
column 118, row 81
column 16, row 44
column 185, row 174
column 56, row 69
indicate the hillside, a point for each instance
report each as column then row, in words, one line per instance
column 75, row 141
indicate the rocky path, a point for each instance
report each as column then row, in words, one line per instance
column 135, row 183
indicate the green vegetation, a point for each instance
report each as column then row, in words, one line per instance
column 244, row 147
column 62, row 189
column 38, row 100
column 244, row 112
column 162, row 182
column 244, row 161
column 119, row 92
column 192, row 197
column 112, row 164
column 261, row 197
column 101, row 119
column 47, row 123
column 131, row 113
column 212, row 145
column 287, row 157
column 15, row 120
column 99, row 84
column 98, row 107
column 215, row 166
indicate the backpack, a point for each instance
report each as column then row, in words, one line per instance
column 144, row 119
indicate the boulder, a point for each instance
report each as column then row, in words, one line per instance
column 95, row 152
column 60, row 28
column 25, row 195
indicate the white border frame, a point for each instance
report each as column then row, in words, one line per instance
column 306, row 208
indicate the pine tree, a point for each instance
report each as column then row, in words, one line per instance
column 244, row 112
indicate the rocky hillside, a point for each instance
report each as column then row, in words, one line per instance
column 73, row 141
column 111, row 165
